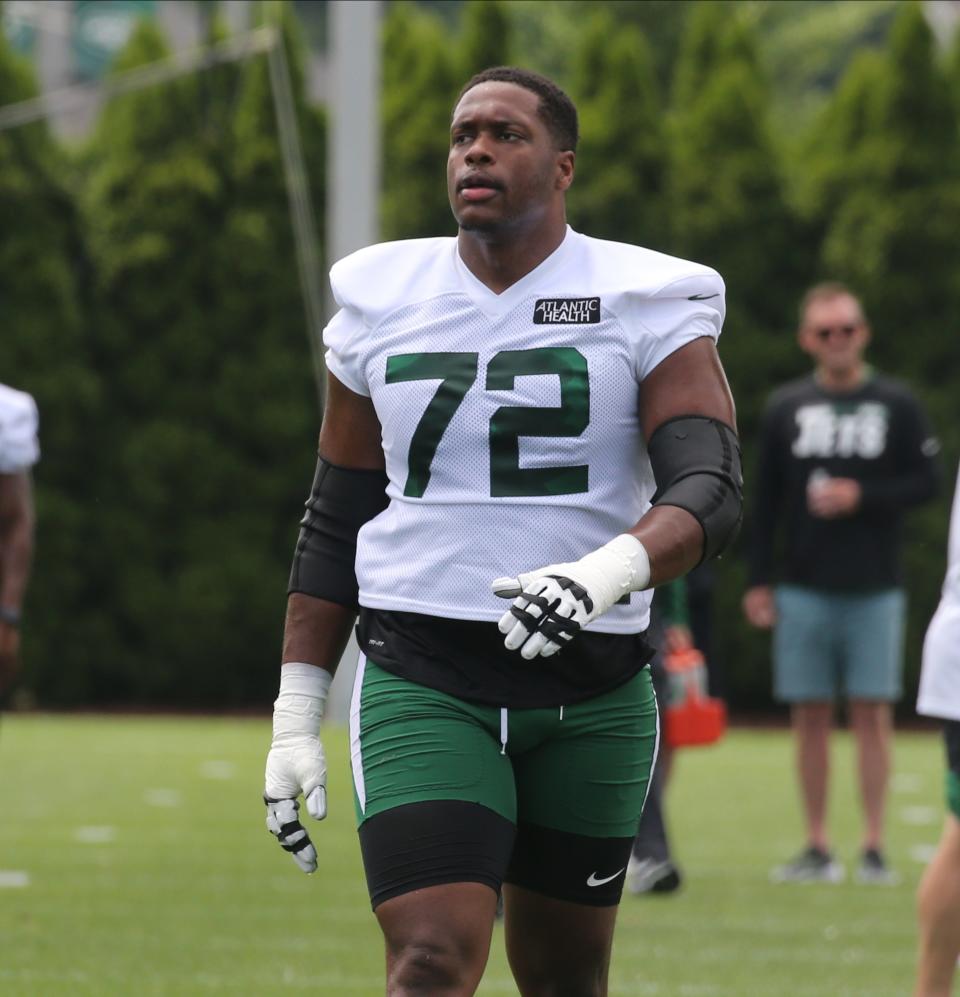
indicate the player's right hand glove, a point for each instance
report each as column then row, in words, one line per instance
column 552, row 604
column 296, row 763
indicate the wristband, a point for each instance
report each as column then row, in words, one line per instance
column 300, row 703
column 614, row 570
column 10, row 616
column 633, row 557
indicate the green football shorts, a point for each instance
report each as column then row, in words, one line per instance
column 951, row 734
column 953, row 793
column 582, row 769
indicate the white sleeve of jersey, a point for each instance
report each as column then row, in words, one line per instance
column 368, row 285
column 345, row 339
column 687, row 308
column 939, row 692
column 19, row 446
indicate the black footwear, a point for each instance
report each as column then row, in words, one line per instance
column 812, row 865
column 874, row 870
column 652, row 876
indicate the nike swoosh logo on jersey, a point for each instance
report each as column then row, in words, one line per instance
column 702, row 297
column 593, row 881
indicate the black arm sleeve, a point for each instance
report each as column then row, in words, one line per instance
column 341, row 501
column 918, row 477
column 696, row 464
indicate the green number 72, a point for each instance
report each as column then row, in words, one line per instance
column 457, row 373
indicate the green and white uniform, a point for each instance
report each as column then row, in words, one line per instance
column 510, row 422
column 939, row 693
column 510, row 426
column 19, row 447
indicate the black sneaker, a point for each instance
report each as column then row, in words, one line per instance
column 652, row 876
column 813, row 865
column 874, row 870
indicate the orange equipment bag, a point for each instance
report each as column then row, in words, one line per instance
column 692, row 716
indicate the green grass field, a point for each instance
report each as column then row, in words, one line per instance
column 134, row 861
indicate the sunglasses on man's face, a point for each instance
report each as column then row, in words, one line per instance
column 827, row 331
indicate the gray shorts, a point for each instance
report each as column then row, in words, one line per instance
column 827, row 644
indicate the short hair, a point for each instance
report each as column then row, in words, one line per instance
column 826, row 291
column 556, row 109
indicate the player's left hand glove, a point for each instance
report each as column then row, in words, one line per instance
column 296, row 762
column 552, row 604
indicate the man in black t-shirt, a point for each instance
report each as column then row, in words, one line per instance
column 844, row 452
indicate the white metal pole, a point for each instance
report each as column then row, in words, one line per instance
column 353, row 185
column 353, row 166
column 301, row 209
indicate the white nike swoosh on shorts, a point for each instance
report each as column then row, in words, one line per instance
column 593, row 881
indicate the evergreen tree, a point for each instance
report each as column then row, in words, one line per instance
column 727, row 203
column 549, row 33
column 267, row 361
column 808, row 47
column 838, row 148
column 44, row 350
column 153, row 200
column 203, row 336
column 891, row 232
column 728, row 210
column 893, row 215
column 420, row 81
column 953, row 69
column 486, row 37
column 713, row 36
column 618, row 192
column 889, row 195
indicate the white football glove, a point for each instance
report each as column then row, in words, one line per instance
column 552, row 604
column 296, row 763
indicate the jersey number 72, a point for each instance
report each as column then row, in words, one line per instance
column 457, row 373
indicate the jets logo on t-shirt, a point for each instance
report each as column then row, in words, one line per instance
column 825, row 432
column 566, row 311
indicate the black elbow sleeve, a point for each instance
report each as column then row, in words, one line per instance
column 341, row 500
column 696, row 463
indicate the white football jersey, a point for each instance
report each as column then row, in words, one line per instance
column 939, row 694
column 510, row 421
column 19, row 447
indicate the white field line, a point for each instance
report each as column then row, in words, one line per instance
column 217, row 769
column 162, row 797
column 95, row 834
column 919, row 816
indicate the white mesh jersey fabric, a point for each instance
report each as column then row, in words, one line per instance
column 19, row 447
column 535, row 455
column 951, row 586
column 939, row 692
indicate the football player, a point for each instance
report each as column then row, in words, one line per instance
column 938, row 896
column 19, row 451
column 518, row 413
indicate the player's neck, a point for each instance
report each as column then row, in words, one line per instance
column 500, row 259
column 842, row 379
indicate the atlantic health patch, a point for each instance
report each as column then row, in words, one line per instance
column 566, row 311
